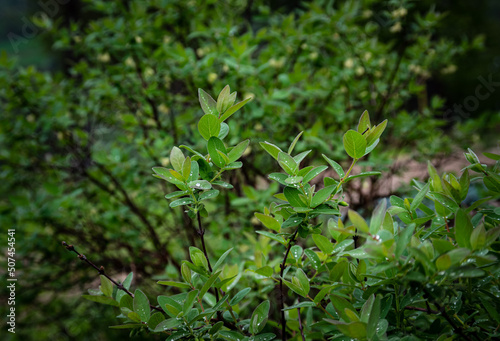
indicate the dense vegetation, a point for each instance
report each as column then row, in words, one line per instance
column 77, row 147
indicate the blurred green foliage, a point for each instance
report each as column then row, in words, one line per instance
column 76, row 145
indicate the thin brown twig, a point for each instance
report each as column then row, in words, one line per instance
column 101, row 271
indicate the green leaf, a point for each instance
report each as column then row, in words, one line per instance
column 364, row 122
column 190, row 299
column 375, row 133
column 224, row 130
column 192, row 150
column 358, row 221
column 378, row 216
column 234, row 108
column 186, row 168
column 292, row 146
column 292, row 221
column 446, row 201
column 362, row 175
column 221, row 259
column 443, row 262
column 301, row 305
column 492, row 156
column 180, row 202
column 272, row 236
column 174, row 284
column 238, row 150
column 464, row 182
column 177, row 159
column 233, row 165
column 354, row 144
column 200, row 184
column 302, row 280
column 209, row 126
column 296, row 252
column 127, row 302
column 420, row 197
column 313, row 173
column 176, row 194
column 101, row 299
column 231, row 335
column 287, row 163
column 355, row 330
column 323, row 244
column 322, row 195
column 155, row 319
column 214, row 146
column 299, row 157
column 198, row 257
column 259, row 317
column 223, row 101
column 141, row 305
column 492, row 182
column 340, row 304
column 271, row 149
column 208, row 284
column 169, row 305
column 106, row 286
column 338, row 168
column 374, row 318
column 126, row 283
column 186, row 272
column 127, row 326
column 313, row 258
column 292, row 195
column 239, row 296
column 208, row 194
column 463, row 229
column 266, row 271
column 293, row 180
column 208, row 104
column 268, row 222
column 222, row 184
column 164, row 173
column 403, row 239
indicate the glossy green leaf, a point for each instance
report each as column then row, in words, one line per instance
column 268, row 222
column 322, row 195
column 271, row 149
column 420, row 197
column 209, row 283
column 313, row 173
column 208, row 104
column 313, row 258
column 213, row 146
column 364, row 122
column 223, row 100
column 141, row 305
column 323, row 244
column 287, row 163
column 358, row 221
column 374, row 318
column 239, row 296
column 340, row 304
column 259, row 317
column 164, row 173
column 180, row 202
column 198, row 257
column 403, row 239
column 190, row 299
column 155, row 319
column 238, row 150
column 234, row 108
column 294, row 142
column 186, row 168
column 209, row 126
column 208, row 194
column 200, row 184
column 272, row 236
column 292, row 195
column 106, row 286
column 375, row 133
column 354, row 144
column 299, row 157
column 338, row 168
column 463, row 229
column 177, row 159
column 221, row 260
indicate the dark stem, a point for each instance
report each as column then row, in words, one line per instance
column 101, row 271
column 201, row 233
column 300, row 326
column 282, row 297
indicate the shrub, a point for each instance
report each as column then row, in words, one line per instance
column 424, row 268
